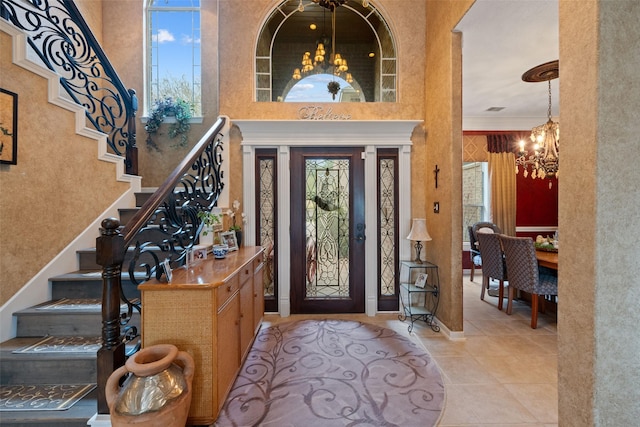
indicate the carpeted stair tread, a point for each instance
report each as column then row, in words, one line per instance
column 13, row 348
column 88, row 274
column 76, row 416
column 20, row 367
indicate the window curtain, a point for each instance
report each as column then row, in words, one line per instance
column 502, row 178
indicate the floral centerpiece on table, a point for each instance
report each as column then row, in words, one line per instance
column 168, row 107
column 232, row 214
column 237, row 227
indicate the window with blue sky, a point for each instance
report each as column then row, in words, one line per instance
column 173, row 52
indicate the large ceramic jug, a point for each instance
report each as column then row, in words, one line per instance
column 158, row 391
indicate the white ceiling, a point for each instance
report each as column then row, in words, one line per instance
column 501, row 39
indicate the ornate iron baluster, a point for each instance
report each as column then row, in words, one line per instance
column 62, row 39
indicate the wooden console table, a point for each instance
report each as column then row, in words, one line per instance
column 212, row 311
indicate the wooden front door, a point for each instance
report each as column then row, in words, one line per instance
column 327, row 230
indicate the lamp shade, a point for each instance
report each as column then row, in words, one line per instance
column 419, row 231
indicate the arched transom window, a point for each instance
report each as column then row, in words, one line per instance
column 311, row 50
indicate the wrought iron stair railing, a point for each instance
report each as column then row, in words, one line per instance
column 166, row 227
column 63, row 41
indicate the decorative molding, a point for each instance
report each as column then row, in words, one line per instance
column 316, row 112
column 346, row 133
column 536, row 229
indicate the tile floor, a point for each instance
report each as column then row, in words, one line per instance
column 502, row 374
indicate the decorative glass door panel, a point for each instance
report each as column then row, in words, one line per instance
column 328, row 232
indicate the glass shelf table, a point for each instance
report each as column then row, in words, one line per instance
column 419, row 292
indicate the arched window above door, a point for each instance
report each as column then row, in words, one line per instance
column 296, row 27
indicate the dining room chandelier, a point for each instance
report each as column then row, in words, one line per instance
column 544, row 159
column 335, row 64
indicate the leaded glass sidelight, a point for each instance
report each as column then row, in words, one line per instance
column 388, row 250
column 267, row 222
column 386, row 197
column 327, row 228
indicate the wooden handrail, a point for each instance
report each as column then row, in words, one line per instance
column 140, row 218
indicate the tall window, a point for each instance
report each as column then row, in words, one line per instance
column 173, row 52
column 475, row 198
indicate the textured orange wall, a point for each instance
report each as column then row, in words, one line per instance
column 443, row 124
column 58, row 186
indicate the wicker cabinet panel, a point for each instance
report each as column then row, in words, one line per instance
column 228, row 349
column 200, row 313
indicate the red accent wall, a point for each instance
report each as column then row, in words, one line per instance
column 536, row 203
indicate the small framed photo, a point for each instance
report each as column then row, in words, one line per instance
column 195, row 254
column 167, row 269
column 229, row 238
column 421, row 280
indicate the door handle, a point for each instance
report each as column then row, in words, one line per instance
column 360, row 236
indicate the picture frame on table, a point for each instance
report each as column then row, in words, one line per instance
column 8, row 127
column 167, row 270
column 421, row 280
column 229, row 238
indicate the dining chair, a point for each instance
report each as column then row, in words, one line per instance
column 474, row 252
column 493, row 266
column 524, row 274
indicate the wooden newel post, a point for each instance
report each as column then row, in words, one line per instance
column 110, row 250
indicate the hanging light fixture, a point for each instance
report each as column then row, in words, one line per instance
column 544, row 161
column 318, row 61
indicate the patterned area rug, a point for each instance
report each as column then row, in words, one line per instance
column 334, row 373
column 42, row 397
column 64, row 345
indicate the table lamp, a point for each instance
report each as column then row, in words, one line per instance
column 419, row 234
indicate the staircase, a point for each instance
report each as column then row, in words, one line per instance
column 72, row 322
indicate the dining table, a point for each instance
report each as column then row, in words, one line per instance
column 547, row 259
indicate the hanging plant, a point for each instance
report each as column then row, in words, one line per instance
column 333, row 87
column 167, row 107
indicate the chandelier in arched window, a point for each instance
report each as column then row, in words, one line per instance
column 348, row 39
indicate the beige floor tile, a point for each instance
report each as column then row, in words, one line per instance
column 442, row 346
column 463, row 370
column 522, row 369
column 489, row 404
column 485, row 346
column 540, row 399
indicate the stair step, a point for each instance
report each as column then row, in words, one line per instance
column 41, row 367
column 87, row 257
column 76, row 416
column 65, row 317
column 88, row 284
column 126, row 214
column 142, row 197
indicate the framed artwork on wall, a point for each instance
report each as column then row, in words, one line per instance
column 8, row 127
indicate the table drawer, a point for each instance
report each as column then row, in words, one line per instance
column 226, row 290
column 257, row 261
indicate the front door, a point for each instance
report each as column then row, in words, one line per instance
column 327, row 230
